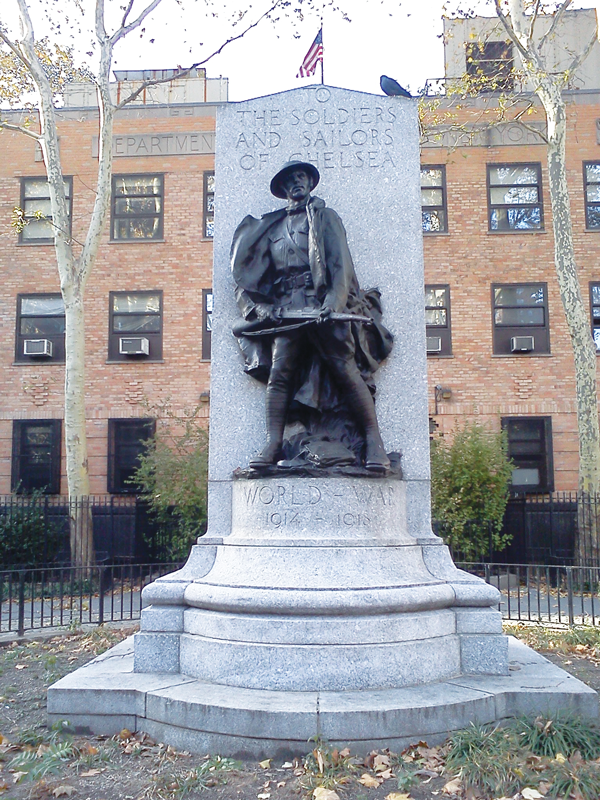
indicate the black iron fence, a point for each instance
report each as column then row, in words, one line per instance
column 544, row 593
column 53, row 597
column 559, row 528
column 51, row 530
column 71, row 596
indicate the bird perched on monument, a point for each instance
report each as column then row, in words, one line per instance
column 391, row 87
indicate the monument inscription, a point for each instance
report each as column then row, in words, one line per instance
column 329, row 135
column 338, row 505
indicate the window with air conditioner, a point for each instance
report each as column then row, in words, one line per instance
column 437, row 320
column 207, row 312
column 40, row 334
column 135, row 326
column 520, row 319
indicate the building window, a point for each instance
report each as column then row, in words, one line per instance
column 36, row 455
column 207, row 311
column 35, row 202
column 209, row 205
column 521, row 319
column 126, row 442
column 595, row 312
column 137, row 207
column 490, row 66
column 433, row 199
column 40, row 335
column 591, row 180
column 530, row 449
column 437, row 319
column 135, row 330
column 515, row 197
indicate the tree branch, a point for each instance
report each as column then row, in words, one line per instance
column 99, row 21
column 21, row 129
column 504, row 19
column 555, row 21
column 125, row 29
column 578, row 60
column 534, row 17
column 182, row 73
column 13, row 47
column 25, row 20
column 127, row 12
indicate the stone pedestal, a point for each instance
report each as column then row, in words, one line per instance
column 320, row 587
column 318, row 605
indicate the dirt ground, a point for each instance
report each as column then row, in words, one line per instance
column 127, row 767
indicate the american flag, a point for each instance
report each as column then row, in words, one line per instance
column 312, row 58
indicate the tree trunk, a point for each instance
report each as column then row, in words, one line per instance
column 576, row 313
column 82, row 536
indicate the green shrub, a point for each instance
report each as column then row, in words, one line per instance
column 470, row 476
column 173, row 474
column 28, row 538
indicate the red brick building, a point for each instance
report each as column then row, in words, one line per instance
column 498, row 346
column 148, row 300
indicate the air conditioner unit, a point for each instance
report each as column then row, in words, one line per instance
column 37, row 347
column 134, row 346
column 434, row 344
column 522, row 344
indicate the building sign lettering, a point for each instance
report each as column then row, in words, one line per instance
column 135, row 145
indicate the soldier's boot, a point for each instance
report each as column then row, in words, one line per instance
column 361, row 404
column 277, row 403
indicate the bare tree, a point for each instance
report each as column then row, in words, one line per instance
column 548, row 86
column 27, row 64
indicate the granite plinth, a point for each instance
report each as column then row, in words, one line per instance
column 320, row 586
column 106, row 695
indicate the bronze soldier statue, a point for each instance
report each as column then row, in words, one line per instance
column 307, row 327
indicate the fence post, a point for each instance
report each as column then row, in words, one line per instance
column 101, row 594
column 570, row 595
column 21, row 618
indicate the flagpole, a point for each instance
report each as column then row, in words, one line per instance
column 323, row 46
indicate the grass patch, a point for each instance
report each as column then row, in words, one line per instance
column 563, row 734
column 578, row 638
column 488, row 759
column 576, row 778
column 327, row 767
column 211, row 773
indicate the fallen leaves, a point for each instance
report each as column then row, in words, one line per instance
column 452, row 787
column 320, row 793
column 369, row 781
column 397, row 796
column 64, row 789
column 265, row 764
column 90, row 773
column 530, row 794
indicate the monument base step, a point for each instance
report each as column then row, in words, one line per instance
column 106, row 696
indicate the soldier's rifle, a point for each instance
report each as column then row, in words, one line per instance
column 291, row 319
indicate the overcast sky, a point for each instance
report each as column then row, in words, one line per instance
column 401, row 39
